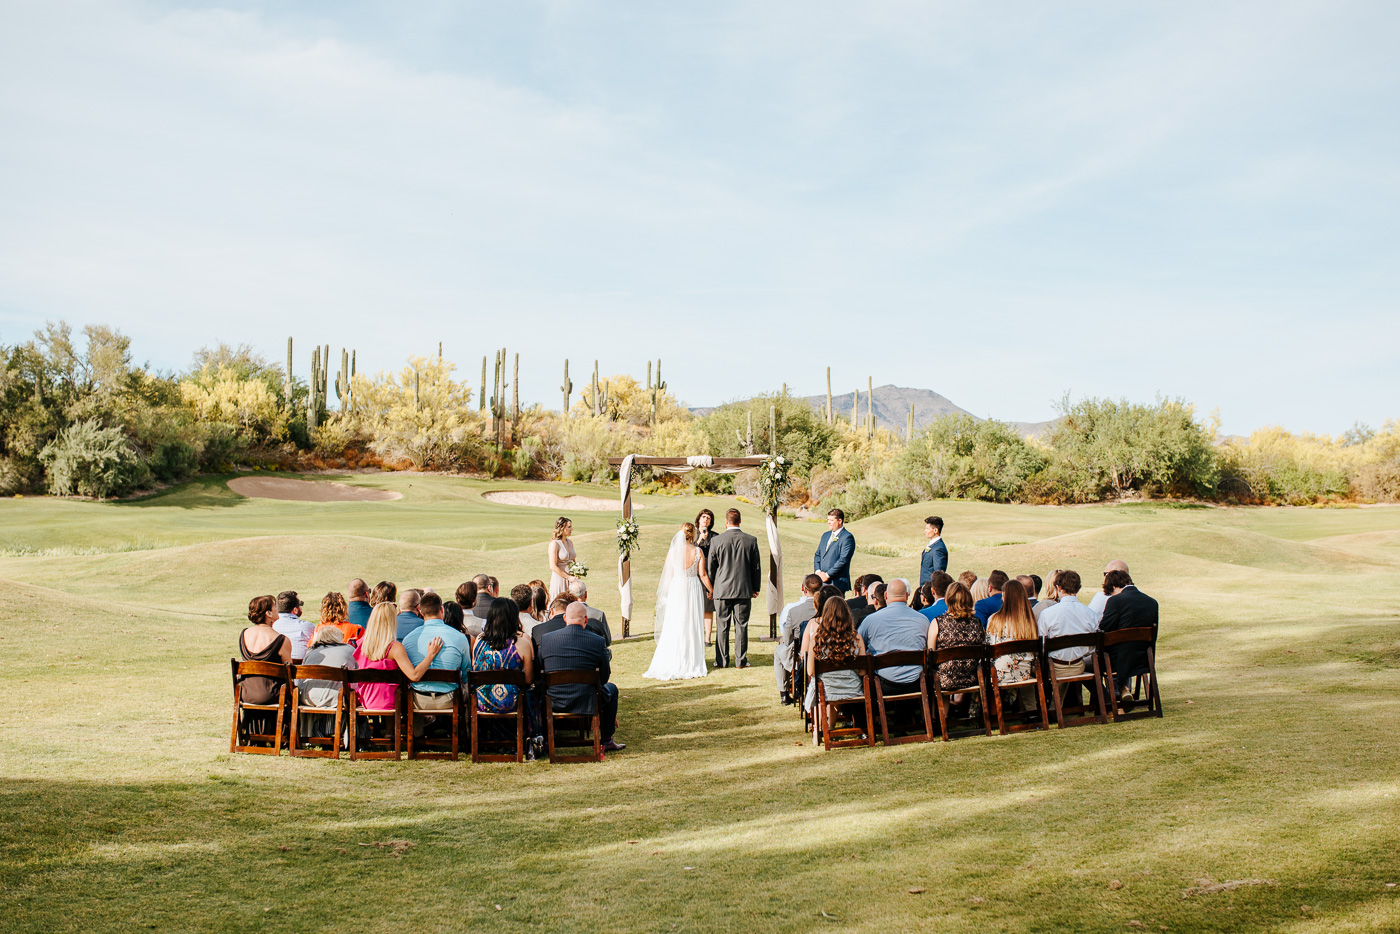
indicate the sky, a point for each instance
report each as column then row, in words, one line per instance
column 1004, row 203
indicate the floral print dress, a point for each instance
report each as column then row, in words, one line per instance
column 953, row 632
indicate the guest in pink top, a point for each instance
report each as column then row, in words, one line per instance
column 379, row 650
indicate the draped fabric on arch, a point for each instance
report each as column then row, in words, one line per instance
column 679, row 465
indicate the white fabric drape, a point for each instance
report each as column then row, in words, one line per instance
column 775, row 571
column 624, row 570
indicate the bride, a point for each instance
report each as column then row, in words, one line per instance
column 680, row 611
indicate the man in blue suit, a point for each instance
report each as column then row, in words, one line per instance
column 935, row 557
column 832, row 562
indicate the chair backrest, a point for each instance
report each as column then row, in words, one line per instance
column 1088, row 640
column 318, row 673
column 897, row 660
column 515, row 676
column 258, row 670
column 1014, row 647
column 579, row 676
column 375, row 676
column 442, row 676
column 1136, row 634
column 860, row 664
column 957, row 653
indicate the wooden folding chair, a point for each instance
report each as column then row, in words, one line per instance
column 479, row 679
column 960, row 653
column 895, row 660
column 308, row 745
column 1038, row 719
column 1147, row 681
column 1091, row 679
column 588, row 728
column 421, row 747
column 825, row 711
column 243, row 737
column 393, row 714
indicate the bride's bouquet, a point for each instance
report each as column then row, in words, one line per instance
column 577, row 569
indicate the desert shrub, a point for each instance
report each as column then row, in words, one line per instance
column 1101, row 448
column 802, row 436
column 628, row 401
column 525, row 458
column 958, row 456
column 13, row 478
column 332, row 437
column 1278, row 466
column 419, row 414
column 220, row 394
column 173, row 459
column 90, row 460
column 1378, row 476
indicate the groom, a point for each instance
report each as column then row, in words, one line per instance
column 736, row 574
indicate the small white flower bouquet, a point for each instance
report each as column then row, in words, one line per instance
column 577, row 569
column 629, row 537
column 773, row 481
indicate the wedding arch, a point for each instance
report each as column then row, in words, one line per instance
column 682, row 465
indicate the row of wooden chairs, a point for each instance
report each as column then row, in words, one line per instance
column 396, row 724
column 826, row 716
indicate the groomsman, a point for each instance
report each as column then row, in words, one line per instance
column 935, row 557
column 832, row 562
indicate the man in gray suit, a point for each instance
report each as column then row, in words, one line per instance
column 737, row 575
column 579, row 589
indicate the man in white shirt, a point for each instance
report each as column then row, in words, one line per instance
column 290, row 624
column 789, row 621
column 1068, row 617
column 1100, row 599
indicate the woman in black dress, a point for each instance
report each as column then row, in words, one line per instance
column 704, row 531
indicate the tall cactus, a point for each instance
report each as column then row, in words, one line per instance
column 657, row 390
column 287, row 378
column 481, row 391
column 315, row 399
column 567, row 388
column 597, row 410
column 855, row 411
column 909, row 433
column 772, row 429
column 417, row 396
column 870, row 405
column 342, row 381
column 830, row 415
column 515, row 395
column 498, row 402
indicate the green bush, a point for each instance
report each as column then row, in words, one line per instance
column 957, row 456
column 802, row 436
column 90, row 460
column 173, row 460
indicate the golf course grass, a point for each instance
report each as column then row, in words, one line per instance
column 1266, row 799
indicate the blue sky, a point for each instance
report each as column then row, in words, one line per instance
column 999, row 202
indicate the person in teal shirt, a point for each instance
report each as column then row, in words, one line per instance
column 456, row 654
column 358, row 608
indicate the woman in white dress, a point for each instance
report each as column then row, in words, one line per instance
column 561, row 555
column 680, row 612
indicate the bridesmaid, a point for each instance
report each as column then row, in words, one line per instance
column 561, row 555
column 704, row 532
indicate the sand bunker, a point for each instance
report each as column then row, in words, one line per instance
column 555, row 501
column 307, row 491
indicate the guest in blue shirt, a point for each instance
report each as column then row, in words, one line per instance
column 940, row 581
column 989, row 606
column 896, row 628
column 358, row 609
column 410, row 618
column 456, row 653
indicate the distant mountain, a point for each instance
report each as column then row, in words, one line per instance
column 892, row 408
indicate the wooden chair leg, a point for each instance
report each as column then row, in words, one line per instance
column 520, row 727
column 869, row 718
column 281, row 708
column 233, row 736
column 1040, row 692
column 1001, row 719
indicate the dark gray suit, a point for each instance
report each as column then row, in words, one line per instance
column 737, row 574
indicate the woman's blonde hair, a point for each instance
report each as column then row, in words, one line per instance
column 981, row 590
column 334, row 609
column 1014, row 620
column 559, row 525
column 381, row 631
column 689, row 529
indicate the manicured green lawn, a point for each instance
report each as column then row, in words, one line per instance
column 1277, row 760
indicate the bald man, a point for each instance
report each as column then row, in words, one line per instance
column 574, row 648
column 1100, row 599
column 896, row 628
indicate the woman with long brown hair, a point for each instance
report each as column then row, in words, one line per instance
column 958, row 626
column 834, row 638
column 704, row 531
column 1015, row 621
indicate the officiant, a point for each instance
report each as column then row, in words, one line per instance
column 832, row 562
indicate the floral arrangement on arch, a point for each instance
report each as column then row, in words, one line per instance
column 629, row 537
column 773, row 481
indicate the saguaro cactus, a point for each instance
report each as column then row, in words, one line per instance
column 656, row 390
column 515, row 394
column 909, row 433
column 567, row 388
column 830, row 416
column 772, row 429
column 855, row 410
column 417, row 397
column 498, row 401
column 597, row 408
column 481, row 393
column 287, row 379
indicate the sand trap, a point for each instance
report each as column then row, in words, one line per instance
column 555, row 501
column 307, row 491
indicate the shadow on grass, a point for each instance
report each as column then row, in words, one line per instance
column 203, row 493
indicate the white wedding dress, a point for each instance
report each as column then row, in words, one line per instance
column 680, row 618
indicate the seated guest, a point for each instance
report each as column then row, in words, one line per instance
column 834, row 638
column 958, row 626
column 335, row 613
column 896, row 628
column 967, row 579
column 1048, row 600
column 484, row 596
column 574, row 648
column 858, row 605
column 990, row 604
column 502, row 647
column 979, row 592
column 327, row 648
column 806, row 631
column 1014, row 621
column 921, row 597
column 290, row 624
column 789, row 622
column 1126, row 608
column 857, row 599
column 1098, row 600
column 410, row 618
column 1032, row 588
column 1067, row 617
column 383, row 592
column 466, row 594
column 524, row 599
column 466, row 598
column 260, row 642
column 580, row 591
column 381, row 651
column 357, row 611
column 938, row 583
column 557, row 622
column 453, row 617
column 455, row 654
